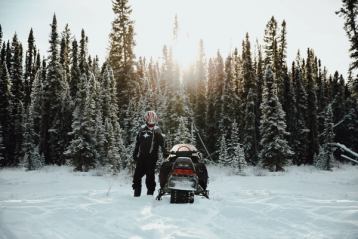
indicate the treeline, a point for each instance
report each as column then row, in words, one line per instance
column 248, row 108
column 58, row 110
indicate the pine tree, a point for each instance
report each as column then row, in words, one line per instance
column 35, row 106
column 325, row 158
column 30, row 70
column 121, row 54
column 224, row 158
column 75, row 70
column 234, row 137
column 0, row 36
column 65, row 50
column 114, row 146
column 239, row 161
column 228, row 99
column 116, row 154
column 275, row 151
column 236, row 150
column 349, row 11
column 311, row 120
column 3, row 54
column 81, row 149
column 182, row 135
column 328, row 126
column 32, row 159
column 250, row 141
column 54, row 93
column 8, row 57
column 200, row 102
column 16, row 74
column 282, row 46
column 6, row 105
column 210, row 117
column 259, row 85
column 248, row 72
column 82, row 57
column 2, row 146
column 270, row 46
column 289, row 106
column 300, row 131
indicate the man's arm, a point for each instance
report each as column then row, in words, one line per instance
column 136, row 148
column 162, row 142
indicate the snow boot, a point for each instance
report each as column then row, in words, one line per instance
column 137, row 192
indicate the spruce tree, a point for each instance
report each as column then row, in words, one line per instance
column 259, row 85
column 349, row 11
column 325, row 158
column 210, row 117
column 8, row 57
column 75, row 70
column 282, row 46
column 228, row 99
column 6, row 116
column 289, row 106
column 32, row 159
column 35, row 112
column 200, row 102
column 224, row 158
column 54, row 93
column 65, row 50
column 271, row 44
column 239, row 161
column 300, row 131
column 2, row 146
column 248, row 72
column 0, row 36
column 311, row 119
column 219, row 84
column 121, row 54
column 250, row 141
column 182, row 135
column 275, row 151
column 82, row 57
column 3, row 54
column 81, row 149
column 112, row 155
column 17, row 88
column 30, row 69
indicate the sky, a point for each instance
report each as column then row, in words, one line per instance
column 221, row 24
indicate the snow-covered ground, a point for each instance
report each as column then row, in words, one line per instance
column 300, row 203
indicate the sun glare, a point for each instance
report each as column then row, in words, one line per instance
column 185, row 50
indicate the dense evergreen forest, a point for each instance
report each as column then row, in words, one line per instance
column 251, row 107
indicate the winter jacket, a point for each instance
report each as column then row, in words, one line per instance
column 147, row 144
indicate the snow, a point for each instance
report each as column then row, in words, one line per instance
column 56, row 202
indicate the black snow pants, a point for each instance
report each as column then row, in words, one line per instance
column 144, row 167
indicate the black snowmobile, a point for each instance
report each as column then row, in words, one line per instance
column 183, row 175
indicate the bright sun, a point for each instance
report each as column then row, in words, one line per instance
column 185, row 51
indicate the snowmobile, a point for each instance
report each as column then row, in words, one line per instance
column 183, row 175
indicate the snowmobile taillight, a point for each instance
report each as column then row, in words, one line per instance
column 186, row 172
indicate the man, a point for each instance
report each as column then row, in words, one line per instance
column 145, row 153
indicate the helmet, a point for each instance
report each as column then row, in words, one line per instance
column 150, row 118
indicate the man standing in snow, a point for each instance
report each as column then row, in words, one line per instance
column 145, row 153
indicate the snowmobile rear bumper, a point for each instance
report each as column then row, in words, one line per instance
column 183, row 183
